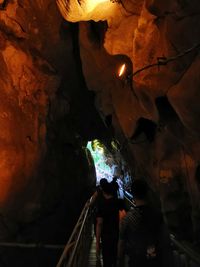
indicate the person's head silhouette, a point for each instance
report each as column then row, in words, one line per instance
column 139, row 189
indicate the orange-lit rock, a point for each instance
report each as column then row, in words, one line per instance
column 24, row 106
column 47, row 113
column 41, row 121
column 145, row 33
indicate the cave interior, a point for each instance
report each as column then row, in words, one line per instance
column 124, row 73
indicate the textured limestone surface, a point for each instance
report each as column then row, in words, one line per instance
column 52, row 72
column 45, row 171
column 155, row 112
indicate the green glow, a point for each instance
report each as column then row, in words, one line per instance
column 98, row 153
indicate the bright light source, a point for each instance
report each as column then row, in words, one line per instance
column 85, row 10
column 91, row 4
column 122, row 70
column 103, row 169
column 101, row 151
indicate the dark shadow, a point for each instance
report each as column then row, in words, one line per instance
column 147, row 127
column 108, row 120
column 97, row 32
column 165, row 109
column 197, row 176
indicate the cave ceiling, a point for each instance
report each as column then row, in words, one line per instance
column 140, row 34
column 60, row 87
column 155, row 104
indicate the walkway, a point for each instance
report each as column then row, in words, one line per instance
column 80, row 249
column 92, row 257
column 92, row 262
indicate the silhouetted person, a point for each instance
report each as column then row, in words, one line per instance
column 97, row 199
column 115, row 187
column 107, row 230
column 98, row 194
column 140, row 231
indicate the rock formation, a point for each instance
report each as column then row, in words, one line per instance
column 44, row 124
column 52, row 73
column 159, row 43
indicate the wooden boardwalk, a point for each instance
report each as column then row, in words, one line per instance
column 92, row 261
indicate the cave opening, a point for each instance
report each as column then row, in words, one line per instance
column 109, row 163
column 60, row 91
column 105, row 163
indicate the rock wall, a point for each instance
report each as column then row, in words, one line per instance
column 155, row 105
column 45, row 176
column 47, row 114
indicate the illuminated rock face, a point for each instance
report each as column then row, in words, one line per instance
column 24, row 102
column 46, row 113
column 139, row 34
column 42, row 114
column 23, row 113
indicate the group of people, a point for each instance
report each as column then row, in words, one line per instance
column 137, row 235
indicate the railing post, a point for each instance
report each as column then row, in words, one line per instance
column 74, row 254
column 184, row 255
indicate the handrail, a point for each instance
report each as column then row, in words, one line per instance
column 79, row 235
column 127, row 197
column 70, row 249
column 181, row 246
column 30, row 245
column 69, row 256
column 186, row 249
